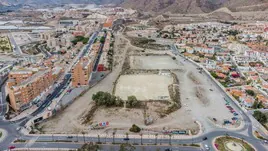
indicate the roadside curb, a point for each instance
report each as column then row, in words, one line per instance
column 4, row 134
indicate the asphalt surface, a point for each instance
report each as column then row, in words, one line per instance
column 107, row 147
column 3, row 103
column 13, row 42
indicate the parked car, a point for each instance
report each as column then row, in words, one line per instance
column 11, row 147
column 234, row 118
column 207, row 147
column 205, row 138
column 235, row 114
column 69, row 136
column 214, row 119
column 126, row 139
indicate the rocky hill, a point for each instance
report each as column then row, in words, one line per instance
column 191, row 6
column 160, row 6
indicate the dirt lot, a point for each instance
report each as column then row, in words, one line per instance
column 144, row 87
column 152, row 62
column 201, row 100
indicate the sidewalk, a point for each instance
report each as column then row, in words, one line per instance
column 25, row 113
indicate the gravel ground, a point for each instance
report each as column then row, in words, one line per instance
column 152, row 62
column 144, row 87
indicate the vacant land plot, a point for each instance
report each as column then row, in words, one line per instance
column 144, row 87
column 153, row 62
column 21, row 38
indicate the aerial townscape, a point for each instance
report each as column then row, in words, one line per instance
column 133, row 75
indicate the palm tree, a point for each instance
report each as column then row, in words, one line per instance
column 156, row 139
column 113, row 137
column 127, row 137
column 170, row 139
column 84, row 136
column 98, row 138
column 141, row 137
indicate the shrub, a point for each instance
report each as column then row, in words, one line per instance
column 132, row 102
column 135, row 129
column 250, row 92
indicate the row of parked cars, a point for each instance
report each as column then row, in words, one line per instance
column 232, row 111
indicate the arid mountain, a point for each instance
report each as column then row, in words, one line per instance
column 51, row 2
column 189, row 6
column 160, row 6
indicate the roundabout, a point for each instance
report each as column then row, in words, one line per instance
column 232, row 144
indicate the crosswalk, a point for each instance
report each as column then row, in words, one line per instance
column 31, row 142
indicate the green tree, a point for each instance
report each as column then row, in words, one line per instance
column 255, row 105
column 132, row 102
column 89, row 147
column 250, row 92
column 102, row 40
column 135, row 129
column 259, row 116
column 259, row 38
column 214, row 75
column 260, row 105
column 126, row 147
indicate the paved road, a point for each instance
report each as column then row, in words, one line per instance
column 13, row 42
column 106, row 147
column 3, row 103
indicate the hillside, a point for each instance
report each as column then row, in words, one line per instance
column 52, row 2
column 160, row 6
column 189, row 6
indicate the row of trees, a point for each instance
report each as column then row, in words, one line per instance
column 80, row 39
column 106, row 99
column 95, row 147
